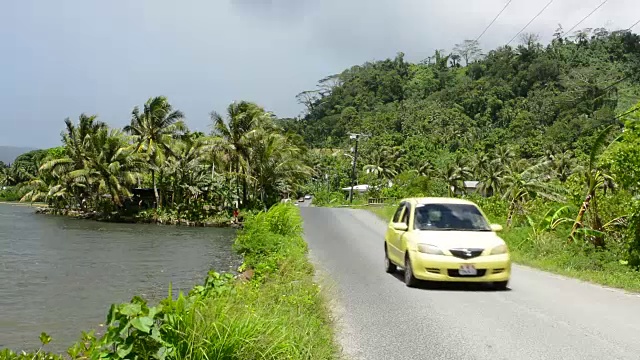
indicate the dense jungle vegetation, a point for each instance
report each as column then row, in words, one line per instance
column 246, row 160
column 550, row 132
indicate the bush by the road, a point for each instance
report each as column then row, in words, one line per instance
column 278, row 313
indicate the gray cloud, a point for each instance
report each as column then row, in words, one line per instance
column 71, row 56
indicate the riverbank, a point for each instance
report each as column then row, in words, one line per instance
column 550, row 251
column 146, row 217
column 272, row 310
column 18, row 203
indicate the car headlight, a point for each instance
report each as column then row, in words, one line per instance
column 500, row 249
column 429, row 249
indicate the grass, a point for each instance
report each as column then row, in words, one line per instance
column 384, row 212
column 550, row 251
column 279, row 313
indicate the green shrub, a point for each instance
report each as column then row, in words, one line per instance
column 329, row 198
column 11, row 193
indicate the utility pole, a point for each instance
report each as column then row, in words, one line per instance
column 355, row 137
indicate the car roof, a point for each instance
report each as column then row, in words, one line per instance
column 438, row 200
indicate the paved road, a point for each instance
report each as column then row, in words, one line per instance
column 543, row 316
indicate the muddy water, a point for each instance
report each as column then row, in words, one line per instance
column 60, row 275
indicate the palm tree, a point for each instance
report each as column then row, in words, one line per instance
column 6, row 177
column 504, row 155
column 456, row 173
column 242, row 118
column 481, row 164
column 69, row 168
column 426, row 169
column 491, row 178
column 278, row 165
column 383, row 162
column 564, row 165
column 153, row 131
column 522, row 186
column 114, row 164
column 188, row 170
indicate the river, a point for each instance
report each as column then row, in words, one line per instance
column 60, row 275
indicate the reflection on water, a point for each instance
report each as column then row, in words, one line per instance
column 60, row 275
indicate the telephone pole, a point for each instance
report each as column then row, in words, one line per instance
column 355, row 137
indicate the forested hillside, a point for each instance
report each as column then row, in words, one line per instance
column 550, row 132
column 533, row 99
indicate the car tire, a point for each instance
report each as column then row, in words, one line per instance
column 389, row 267
column 409, row 279
column 501, row 285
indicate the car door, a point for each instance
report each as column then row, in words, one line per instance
column 394, row 237
column 400, row 239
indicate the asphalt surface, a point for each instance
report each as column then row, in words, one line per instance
column 542, row 316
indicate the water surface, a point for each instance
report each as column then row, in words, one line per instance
column 60, row 275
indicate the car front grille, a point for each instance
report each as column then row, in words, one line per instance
column 466, row 253
column 455, row 273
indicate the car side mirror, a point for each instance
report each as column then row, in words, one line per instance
column 496, row 227
column 400, row 226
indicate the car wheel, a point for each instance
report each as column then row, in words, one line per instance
column 501, row 285
column 389, row 267
column 409, row 279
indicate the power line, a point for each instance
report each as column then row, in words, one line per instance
column 637, row 108
column 582, row 98
column 585, row 18
column 529, row 23
column 634, row 24
column 494, row 20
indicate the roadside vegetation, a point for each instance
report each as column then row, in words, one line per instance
column 550, row 133
column 273, row 311
column 182, row 176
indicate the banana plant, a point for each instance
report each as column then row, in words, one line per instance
column 595, row 178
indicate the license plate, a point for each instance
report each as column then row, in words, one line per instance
column 467, row 270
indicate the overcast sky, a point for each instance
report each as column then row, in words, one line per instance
column 61, row 58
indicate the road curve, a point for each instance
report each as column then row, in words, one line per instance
column 543, row 316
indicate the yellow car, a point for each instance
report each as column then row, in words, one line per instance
column 445, row 239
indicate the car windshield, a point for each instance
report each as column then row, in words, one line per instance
column 460, row 217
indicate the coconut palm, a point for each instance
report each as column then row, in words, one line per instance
column 504, row 155
column 563, row 165
column 455, row 173
column 383, row 162
column 6, row 177
column 522, row 186
column 114, row 164
column 278, row 165
column 153, row 131
column 426, row 169
column 189, row 169
column 491, row 177
column 68, row 168
column 242, row 118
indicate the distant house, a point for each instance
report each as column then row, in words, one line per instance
column 469, row 187
column 358, row 188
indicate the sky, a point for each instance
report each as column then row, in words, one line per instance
column 61, row 58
